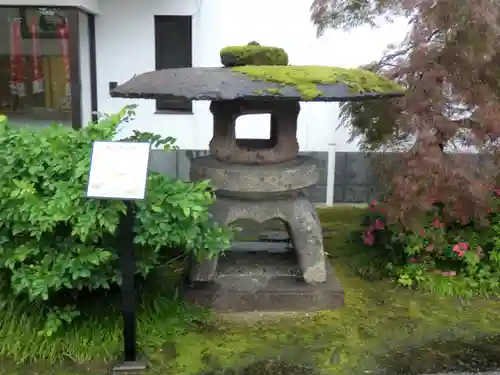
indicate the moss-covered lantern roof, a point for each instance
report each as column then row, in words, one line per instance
column 255, row 72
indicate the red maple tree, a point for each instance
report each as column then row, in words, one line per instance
column 450, row 64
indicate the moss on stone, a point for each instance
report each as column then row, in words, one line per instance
column 270, row 91
column 306, row 78
column 253, row 54
column 273, row 90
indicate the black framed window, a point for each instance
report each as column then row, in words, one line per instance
column 173, row 48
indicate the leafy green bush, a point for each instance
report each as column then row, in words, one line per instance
column 447, row 257
column 55, row 241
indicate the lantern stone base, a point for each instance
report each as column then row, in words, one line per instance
column 300, row 218
column 264, row 281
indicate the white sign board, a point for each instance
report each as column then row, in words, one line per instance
column 119, row 170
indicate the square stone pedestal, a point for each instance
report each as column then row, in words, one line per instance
column 263, row 281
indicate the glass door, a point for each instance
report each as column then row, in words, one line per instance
column 39, row 66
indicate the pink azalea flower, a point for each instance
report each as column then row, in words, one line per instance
column 368, row 238
column 379, row 224
column 460, row 248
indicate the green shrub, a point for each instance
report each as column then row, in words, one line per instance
column 54, row 241
column 447, row 257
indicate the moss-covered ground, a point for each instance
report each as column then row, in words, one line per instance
column 382, row 327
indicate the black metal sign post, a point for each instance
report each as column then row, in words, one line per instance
column 127, row 264
column 119, row 171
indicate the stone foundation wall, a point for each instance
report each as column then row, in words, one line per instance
column 355, row 177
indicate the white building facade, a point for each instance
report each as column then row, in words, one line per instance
column 106, row 42
column 131, row 37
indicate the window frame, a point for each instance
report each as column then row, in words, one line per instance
column 173, row 106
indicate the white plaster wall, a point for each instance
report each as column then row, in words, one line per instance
column 125, row 46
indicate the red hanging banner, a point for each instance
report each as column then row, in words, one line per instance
column 17, row 87
column 62, row 32
column 13, row 69
column 37, row 72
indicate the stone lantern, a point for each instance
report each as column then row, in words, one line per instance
column 260, row 179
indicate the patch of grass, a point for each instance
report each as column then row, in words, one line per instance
column 96, row 338
column 379, row 317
